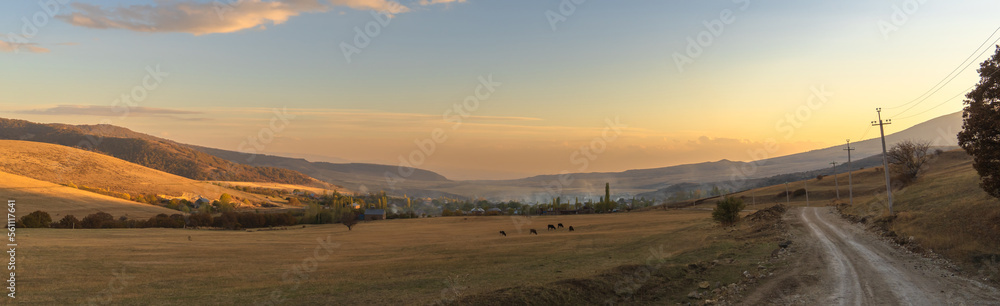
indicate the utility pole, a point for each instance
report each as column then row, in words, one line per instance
column 850, row 185
column 885, row 159
column 835, row 182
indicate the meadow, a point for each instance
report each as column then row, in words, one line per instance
column 411, row 261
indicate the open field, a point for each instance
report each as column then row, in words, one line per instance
column 31, row 195
column 411, row 261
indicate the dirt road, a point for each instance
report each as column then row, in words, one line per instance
column 834, row 262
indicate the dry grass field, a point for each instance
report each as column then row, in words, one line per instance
column 31, row 195
column 410, row 261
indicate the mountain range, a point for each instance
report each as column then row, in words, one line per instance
column 203, row 163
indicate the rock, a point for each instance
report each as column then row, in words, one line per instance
column 709, row 302
column 785, row 244
column 694, row 295
column 704, row 285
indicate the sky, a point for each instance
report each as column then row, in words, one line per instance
column 478, row 89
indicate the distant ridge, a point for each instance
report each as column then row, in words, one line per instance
column 146, row 150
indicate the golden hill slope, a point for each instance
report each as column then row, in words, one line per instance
column 62, row 165
column 31, row 195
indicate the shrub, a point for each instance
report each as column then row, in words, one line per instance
column 907, row 159
column 727, row 211
column 799, row 192
column 37, row 219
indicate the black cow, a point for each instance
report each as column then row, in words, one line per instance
column 551, row 227
column 503, row 233
column 533, row 231
column 571, row 228
column 560, row 225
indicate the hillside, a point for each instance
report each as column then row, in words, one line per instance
column 146, row 150
column 31, row 195
column 63, row 165
column 944, row 210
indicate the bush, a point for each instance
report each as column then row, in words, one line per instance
column 727, row 211
column 907, row 160
column 37, row 219
column 799, row 192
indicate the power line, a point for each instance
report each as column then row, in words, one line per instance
column 946, row 83
column 949, row 99
column 957, row 69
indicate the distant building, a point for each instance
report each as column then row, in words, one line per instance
column 374, row 214
column 478, row 211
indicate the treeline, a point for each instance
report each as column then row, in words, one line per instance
column 227, row 220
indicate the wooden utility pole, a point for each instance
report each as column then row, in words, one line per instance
column 850, row 185
column 885, row 158
column 835, row 182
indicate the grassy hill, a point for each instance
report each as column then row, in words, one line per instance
column 63, row 165
column 944, row 210
column 146, row 150
column 31, row 195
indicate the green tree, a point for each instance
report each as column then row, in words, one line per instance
column 68, row 221
column 727, row 211
column 37, row 219
column 225, row 198
column 607, row 192
column 981, row 125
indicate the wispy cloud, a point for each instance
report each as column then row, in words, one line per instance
column 110, row 111
column 430, row 2
column 27, row 47
column 223, row 16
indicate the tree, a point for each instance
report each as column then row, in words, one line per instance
column 225, row 198
column 727, row 211
column 349, row 219
column 68, row 221
column 37, row 219
column 980, row 135
column 98, row 220
column 907, row 158
column 607, row 192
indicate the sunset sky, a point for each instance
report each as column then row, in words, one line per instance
column 560, row 72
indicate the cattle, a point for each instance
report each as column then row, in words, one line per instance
column 571, row 228
column 560, row 225
column 551, row 227
column 503, row 233
column 533, row 231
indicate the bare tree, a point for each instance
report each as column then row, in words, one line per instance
column 349, row 219
column 907, row 159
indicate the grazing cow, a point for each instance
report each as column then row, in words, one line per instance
column 533, row 231
column 571, row 228
column 560, row 225
column 503, row 233
column 551, row 227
